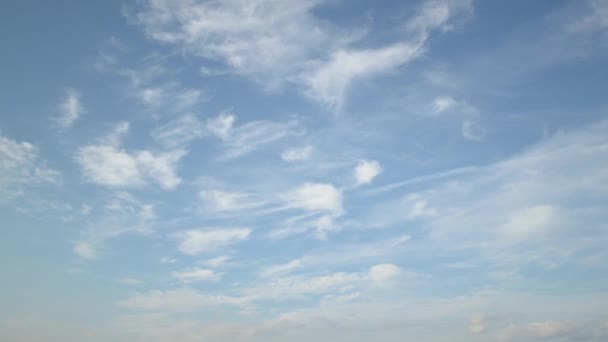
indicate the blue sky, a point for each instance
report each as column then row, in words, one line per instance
column 304, row 170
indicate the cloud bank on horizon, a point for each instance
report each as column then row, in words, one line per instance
column 301, row 170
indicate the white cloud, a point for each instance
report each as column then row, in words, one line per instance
column 437, row 14
column 262, row 39
column 70, row 109
column 442, row 104
column 222, row 125
column 530, row 221
column 194, row 242
column 420, row 208
column 219, row 201
column 276, row 42
column 383, row 273
column 473, row 130
column 330, row 82
column 20, row 165
column 296, row 154
column 477, row 325
column 196, row 275
column 108, row 164
column 366, row 171
column 314, row 197
column 180, row 131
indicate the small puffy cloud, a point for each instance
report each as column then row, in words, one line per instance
column 383, row 273
column 196, row 275
column 194, row 242
column 296, row 154
column 316, row 196
column 366, row 171
column 70, row 109
column 110, row 165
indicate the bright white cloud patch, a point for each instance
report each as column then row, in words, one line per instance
column 194, row 242
column 366, row 171
column 70, row 109
column 315, row 196
column 110, row 165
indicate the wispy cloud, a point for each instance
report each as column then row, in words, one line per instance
column 70, row 109
column 194, row 242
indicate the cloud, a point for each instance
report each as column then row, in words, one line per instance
column 330, row 82
column 219, row 201
column 70, row 109
column 315, row 197
column 180, row 131
column 366, row 171
column 121, row 214
column 21, row 166
column 283, row 42
column 383, row 273
column 436, row 14
column 296, row 154
column 222, row 125
column 109, row 165
column 473, row 130
column 262, row 39
column 196, row 275
column 243, row 139
column 85, row 250
column 442, row 104
column 194, row 242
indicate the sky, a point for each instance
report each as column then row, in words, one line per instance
column 304, row 170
